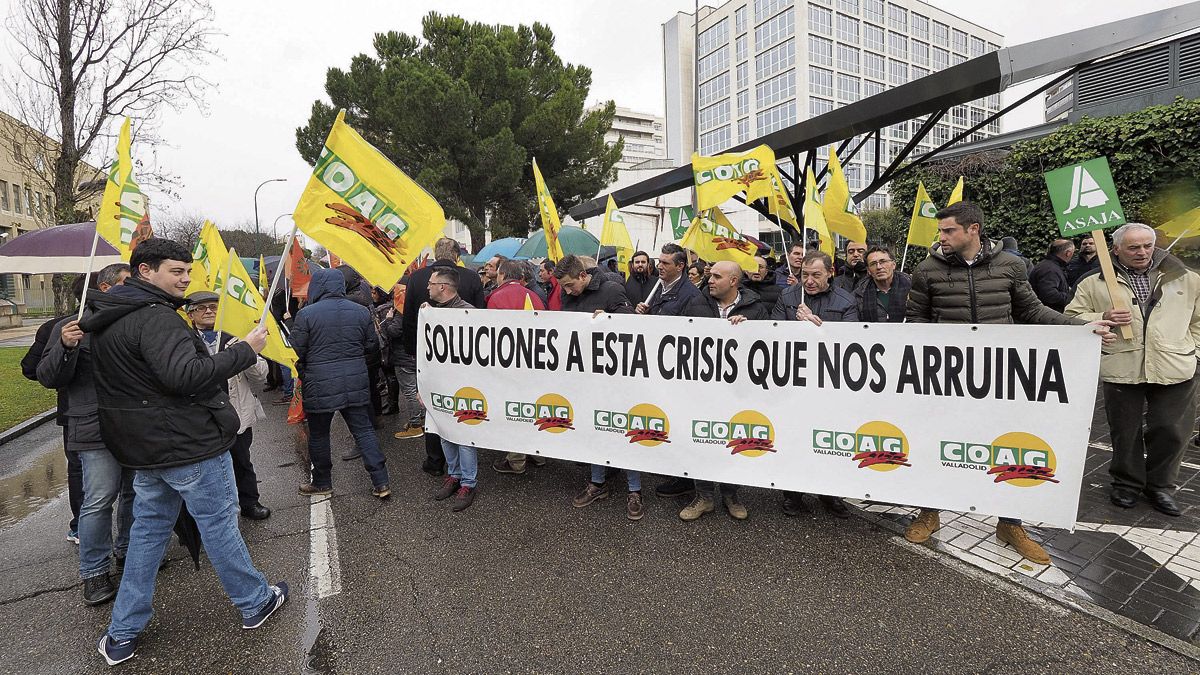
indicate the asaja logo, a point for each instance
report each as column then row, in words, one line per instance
column 879, row 446
column 1016, row 458
column 551, row 412
column 645, row 424
column 748, row 433
column 467, row 405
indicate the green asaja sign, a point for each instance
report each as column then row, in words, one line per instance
column 1084, row 197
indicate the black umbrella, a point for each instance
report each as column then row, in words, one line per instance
column 189, row 533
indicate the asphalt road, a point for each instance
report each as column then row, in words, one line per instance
column 524, row 582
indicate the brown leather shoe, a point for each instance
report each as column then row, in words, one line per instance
column 1015, row 536
column 924, row 526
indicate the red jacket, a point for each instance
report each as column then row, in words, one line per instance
column 511, row 295
column 555, row 300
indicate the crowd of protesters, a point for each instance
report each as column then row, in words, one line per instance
column 158, row 411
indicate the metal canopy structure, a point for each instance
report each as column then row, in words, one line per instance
column 930, row 97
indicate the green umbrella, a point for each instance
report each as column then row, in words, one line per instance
column 572, row 239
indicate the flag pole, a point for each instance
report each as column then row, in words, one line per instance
column 287, row 248
column 1181, row 236
column 221, row 298
column 91, row 264
column 905, row 258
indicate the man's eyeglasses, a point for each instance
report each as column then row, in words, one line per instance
column 205, row 309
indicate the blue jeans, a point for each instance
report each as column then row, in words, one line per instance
column 358, row 419
column 634, row 477
column 207, row 489
column 462, row 462
column 285, row 379
column 103, row 481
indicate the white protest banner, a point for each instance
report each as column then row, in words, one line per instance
column 990, row 419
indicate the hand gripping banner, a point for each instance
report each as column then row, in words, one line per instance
column 987, row 419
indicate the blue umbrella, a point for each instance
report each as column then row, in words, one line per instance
column 506, row 247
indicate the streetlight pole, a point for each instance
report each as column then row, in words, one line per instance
column 275, row 226
column 269, row 180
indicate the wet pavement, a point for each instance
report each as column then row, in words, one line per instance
column 524, row 582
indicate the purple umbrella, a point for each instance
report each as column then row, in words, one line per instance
column 62, row 249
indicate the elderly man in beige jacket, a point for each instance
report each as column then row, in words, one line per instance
column 1150, row 382
column 201, row 309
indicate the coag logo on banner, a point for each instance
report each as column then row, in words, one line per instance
column 748, row 433
column 467, row 405
column 1016, row 458
column 551, row 412
column 645, row 424
column 879, row 446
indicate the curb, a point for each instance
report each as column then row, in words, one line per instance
column 27, row 426
column 1052, row 593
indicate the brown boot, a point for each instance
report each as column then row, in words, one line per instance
column 1014, row 535
column 923, row 527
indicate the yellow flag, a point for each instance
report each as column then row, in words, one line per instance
column 838, row 207
column 956, row 195
column 239, row 310
column 923, row 229
column 209, row 258
column 1187, row 223
column 616, row 235
column 714, row 238
column 364, row 210
column 814, row 218
column 122, row 219
column 779, row 203
column 263, row 282
column 528, row 303
column 720, row 177
column 550, row 223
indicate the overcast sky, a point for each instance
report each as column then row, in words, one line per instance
column 274, row 55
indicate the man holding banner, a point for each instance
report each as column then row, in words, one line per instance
column 967, row 278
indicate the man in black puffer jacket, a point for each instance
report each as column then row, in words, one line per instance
column 164, row 413
column 334, row 338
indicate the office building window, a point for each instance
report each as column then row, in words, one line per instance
column 957, row 58
column 847, row 59
column 16, row 205
column 848, row 6
column 920, row 53
column 776, row 89
column 820, row 50
column 873, row 37
column 764, row 9
column 744, row 129
column 871, row 88
column 873, row 10
column 941, row 59
column 847, row 29
column 977, row 117
column 714, row 90
column 775, row 30
column 820, row 20
column 774, row 119
column 898, row 18
column 820, row 81
column 715, row 141
column 918, row 72
column 920, row 26
column 849, row 88
column 941, row 34
column 715, row 36
column 897, row 45
column 993, row 102
column 739, row 19
column 712, row 64
column 992, row 47
column 819, row 106
column 958, row 115
column 897, row 72
column 978, row 46
column 774, row 60
column 743, row 74
column 714, row 115
column 742, row 49
column 37, row 205
column 960, row 41
column 3, row 195
column 743, row 102
column 874, row 65
column 899, row 131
